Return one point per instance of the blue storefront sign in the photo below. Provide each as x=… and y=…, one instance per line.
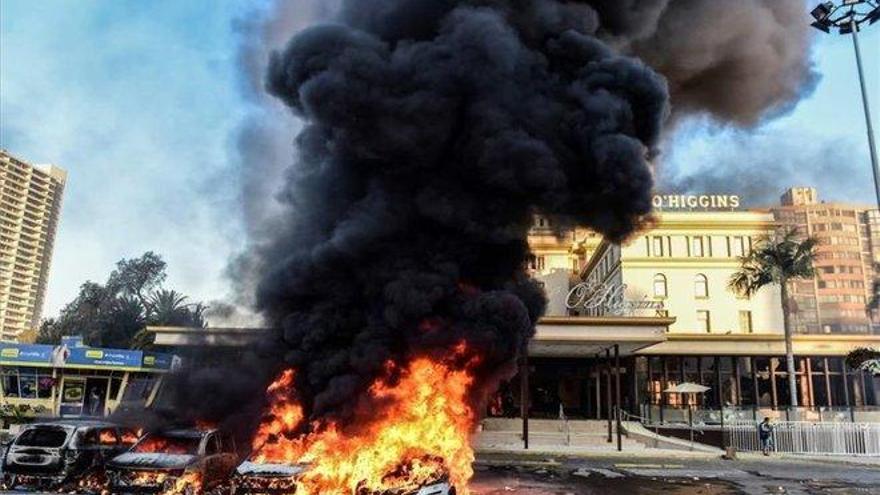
x=25, y=353
x=69, y=354
x=95, y=356
x=157, y=360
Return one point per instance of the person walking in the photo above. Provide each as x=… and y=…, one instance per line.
x=95, y=403
x=765, y=433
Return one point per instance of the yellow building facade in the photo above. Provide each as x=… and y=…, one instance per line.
x=682, y=267
x=30, y=205
x=671, y=282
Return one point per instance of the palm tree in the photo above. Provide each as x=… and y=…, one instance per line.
x=776, y=260
x=167, y=307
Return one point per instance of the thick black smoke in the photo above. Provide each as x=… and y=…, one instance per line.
x=433, y=130
x=739, y=61
x=432, y=133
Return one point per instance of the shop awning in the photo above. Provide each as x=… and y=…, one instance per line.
x=555, y=336
x=588, y=336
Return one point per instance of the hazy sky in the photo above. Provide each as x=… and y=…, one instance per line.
x=141, y=103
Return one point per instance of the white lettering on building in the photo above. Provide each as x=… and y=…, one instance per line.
x=696, y=202
x=607, y=299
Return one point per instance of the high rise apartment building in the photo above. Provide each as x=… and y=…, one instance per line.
x=836, y=300
x=30, y=203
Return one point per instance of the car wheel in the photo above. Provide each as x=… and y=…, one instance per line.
x=451, y=491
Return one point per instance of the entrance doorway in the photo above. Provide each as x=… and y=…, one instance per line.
x=73, y=393
x=96, y=396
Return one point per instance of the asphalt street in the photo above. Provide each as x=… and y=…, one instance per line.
x=506, y=474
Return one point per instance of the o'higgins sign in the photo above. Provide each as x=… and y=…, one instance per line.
x=696, y=201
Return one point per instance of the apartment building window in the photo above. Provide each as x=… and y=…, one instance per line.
x=660, y=285
x=657, y=246
x=697, y=250
x=703, y=322
x=701, y=286
x=738, y=245
x=537, y=263
x=745, y=321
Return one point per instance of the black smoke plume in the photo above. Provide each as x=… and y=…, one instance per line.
x=429, y=132
x=738, y=61
x=433, y=131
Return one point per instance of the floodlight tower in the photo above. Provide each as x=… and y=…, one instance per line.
x=848, y=17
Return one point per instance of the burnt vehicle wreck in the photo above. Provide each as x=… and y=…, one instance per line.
x=185, y=461
x=57, y=454
x=270, y=478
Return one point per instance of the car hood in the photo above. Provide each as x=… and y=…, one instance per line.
x=152, y=461
x=269, y=469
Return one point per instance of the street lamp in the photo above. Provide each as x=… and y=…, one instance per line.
x=848, y=17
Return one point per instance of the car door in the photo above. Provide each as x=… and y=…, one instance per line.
x=213, y=462
x=230, y=454
x=109, y=441
x=86, y=450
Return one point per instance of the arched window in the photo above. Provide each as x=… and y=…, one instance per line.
x=701, y=286
x=659, y=285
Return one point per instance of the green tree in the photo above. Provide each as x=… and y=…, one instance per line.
x=49, y=332
x=864, y=358
x=115, y=314
x=169, y=308
x=138, y=277
x=777, y=260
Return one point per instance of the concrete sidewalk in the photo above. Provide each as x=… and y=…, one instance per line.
x=660, y=457
x=589, y=440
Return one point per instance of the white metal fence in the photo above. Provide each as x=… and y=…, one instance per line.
x=799, y=437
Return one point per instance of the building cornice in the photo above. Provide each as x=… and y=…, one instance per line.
x=758, y=337
x=670, y=262
x=594, y=321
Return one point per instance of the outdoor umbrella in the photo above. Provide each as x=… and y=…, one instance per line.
x=688, y=388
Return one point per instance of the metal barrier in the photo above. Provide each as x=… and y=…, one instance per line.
x=801, y=437
x=712, y=416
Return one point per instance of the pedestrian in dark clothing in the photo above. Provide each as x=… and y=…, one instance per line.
x=765, y=433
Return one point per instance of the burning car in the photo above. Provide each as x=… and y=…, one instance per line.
x=185, y=461
x=279, y=478
x=53, y=454
x=270, y=478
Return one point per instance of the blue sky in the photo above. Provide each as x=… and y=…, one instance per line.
x=141, y=102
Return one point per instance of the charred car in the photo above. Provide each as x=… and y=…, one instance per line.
x=268, y=478
x=52, y=455
x=279, y=478
x=187, y=461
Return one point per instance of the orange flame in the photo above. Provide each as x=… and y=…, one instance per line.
x=107, y=437
x=419, y=433
x=283, y=418
x=190, y=479
x=130, y=437
x=178, y=485
x=152, y=445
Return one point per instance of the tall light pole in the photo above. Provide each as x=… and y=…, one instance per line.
x=848, y=17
